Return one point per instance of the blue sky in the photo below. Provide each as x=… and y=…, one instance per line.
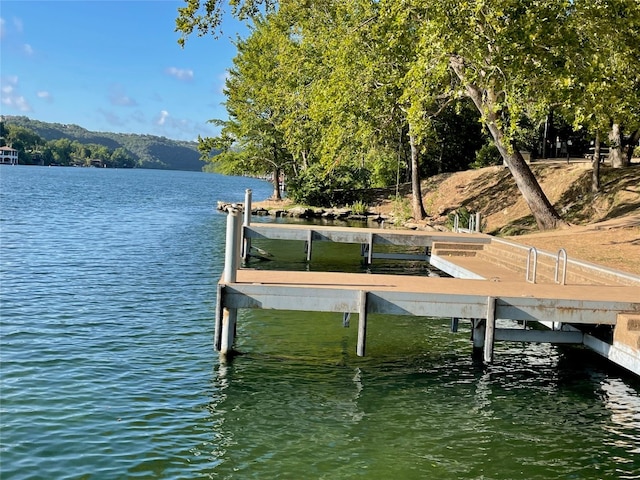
x=112, y=65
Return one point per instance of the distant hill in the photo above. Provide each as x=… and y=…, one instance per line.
x=149, y=151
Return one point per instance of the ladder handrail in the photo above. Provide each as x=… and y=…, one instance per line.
x=574, y=262
x=561, y=253
x=532, y=253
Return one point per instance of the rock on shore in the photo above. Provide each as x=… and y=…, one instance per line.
x=340, y=214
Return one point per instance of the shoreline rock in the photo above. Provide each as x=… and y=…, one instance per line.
x=374, y=220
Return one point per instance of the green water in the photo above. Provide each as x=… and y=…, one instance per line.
x=108, y=282
x=418, y=406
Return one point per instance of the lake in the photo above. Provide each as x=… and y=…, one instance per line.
x=108, y=282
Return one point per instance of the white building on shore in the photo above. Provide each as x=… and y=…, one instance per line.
x=8, y=156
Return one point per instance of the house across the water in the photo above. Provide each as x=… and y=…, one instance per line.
x=8, y=156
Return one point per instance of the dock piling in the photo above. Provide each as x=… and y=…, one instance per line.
x=226, y=325
x=217, y=334
x=231, y=247
x=489, y=330
x=362, y=324
x=246, y=242
x=454, y=324
x=247, y=207
x=229, y=317
x=309, y=244
x=477, y=335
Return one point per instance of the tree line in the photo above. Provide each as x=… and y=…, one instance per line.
x=35, y=150
x=341, y=95
x=44, y=143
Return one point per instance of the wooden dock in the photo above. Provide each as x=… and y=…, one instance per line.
x=490, y=281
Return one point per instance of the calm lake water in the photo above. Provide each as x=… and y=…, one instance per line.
x=108, y=281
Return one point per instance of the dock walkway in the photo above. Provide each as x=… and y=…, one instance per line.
x=487, y=285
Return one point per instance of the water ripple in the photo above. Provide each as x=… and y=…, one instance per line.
x=108, y=371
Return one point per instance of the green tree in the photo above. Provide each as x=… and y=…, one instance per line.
x=600, y=84
x=399, y=65
x=61, y=151
x=121, y=158
x=496, y=53
x=251, y=141
x=26, y=141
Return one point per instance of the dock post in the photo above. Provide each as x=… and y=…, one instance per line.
x=247, y=207
x=490, y=328
x=217, y=334
x=478, y=222
x=454, y=324
x=477, y=336
x=227, y=324
x=309, y=244
x=362, y=324
x=229, y=317
x=231, y=247
x=246, y=242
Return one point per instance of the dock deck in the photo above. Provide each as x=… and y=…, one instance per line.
x=568, y=297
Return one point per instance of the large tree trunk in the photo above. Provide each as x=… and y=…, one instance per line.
x=416, y=192
x=276, y=184
x=595, y=173
x=485, y=101
x=615, y=146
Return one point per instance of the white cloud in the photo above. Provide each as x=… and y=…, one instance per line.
x=168, y=126
x=45, y=96
x=5, y=29
x=10, y=96
x=9, y=80
x=180, y=74
x=28, y=49
x=162, y=118
x=117, y=96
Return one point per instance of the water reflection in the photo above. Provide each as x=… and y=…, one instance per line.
x=624, y=404
x=538, y=413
